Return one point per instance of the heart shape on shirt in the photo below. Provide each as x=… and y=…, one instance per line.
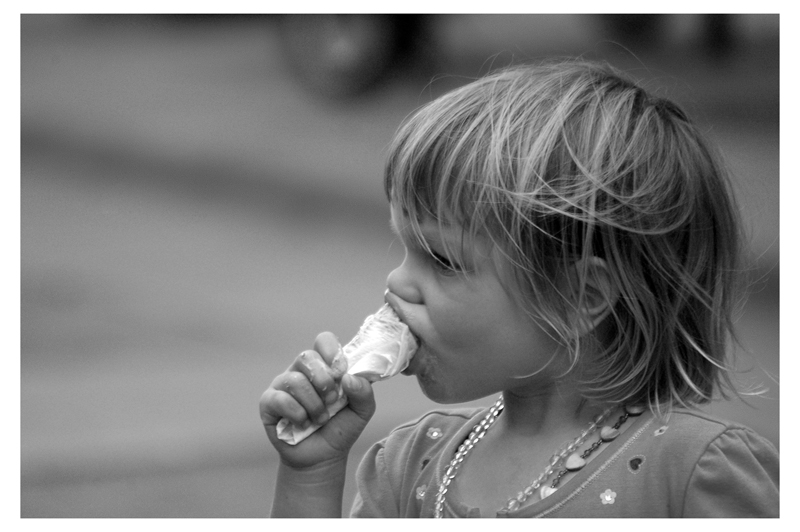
x=635, y=464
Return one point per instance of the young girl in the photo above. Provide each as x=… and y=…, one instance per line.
x=572, y=247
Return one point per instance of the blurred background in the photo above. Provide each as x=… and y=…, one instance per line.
x=201, y=195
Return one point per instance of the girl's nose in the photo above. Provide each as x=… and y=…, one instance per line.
x=402, y=283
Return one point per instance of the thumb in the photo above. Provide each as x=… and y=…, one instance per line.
x=359, y=394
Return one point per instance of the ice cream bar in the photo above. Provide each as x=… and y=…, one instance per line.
x=381, y=349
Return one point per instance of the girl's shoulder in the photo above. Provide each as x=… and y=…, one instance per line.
x=722, y=468
x=684, y=464
x=694, y=427
x=687, y=441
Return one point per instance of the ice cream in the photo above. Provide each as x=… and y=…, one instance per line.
x=381, y=349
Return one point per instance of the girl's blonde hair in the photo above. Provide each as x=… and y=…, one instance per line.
x=566, y=161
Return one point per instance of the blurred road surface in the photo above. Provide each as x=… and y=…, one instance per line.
x=192, y=218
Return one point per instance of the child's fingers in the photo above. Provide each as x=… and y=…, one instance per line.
x=360, y=398
x=311, y=364
x=296, y=385
x=276, y=404
x=329, y=348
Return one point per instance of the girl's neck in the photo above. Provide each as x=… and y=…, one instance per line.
x=549, y=404
x=551, y=413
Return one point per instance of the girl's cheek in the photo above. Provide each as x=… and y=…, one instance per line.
x=452, y=329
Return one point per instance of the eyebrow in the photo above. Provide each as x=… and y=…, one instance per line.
x=432, y=238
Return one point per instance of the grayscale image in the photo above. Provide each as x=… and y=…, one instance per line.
x=452, y=265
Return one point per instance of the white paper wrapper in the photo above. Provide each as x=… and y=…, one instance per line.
x=381, y=349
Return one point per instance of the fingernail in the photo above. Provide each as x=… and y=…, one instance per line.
x=323, y=418
x=331, y=397
x=355, y=384
x=339, y=364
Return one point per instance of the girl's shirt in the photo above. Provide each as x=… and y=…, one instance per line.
x=686, y=465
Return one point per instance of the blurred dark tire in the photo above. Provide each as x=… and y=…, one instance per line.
x=340, y=55
x=637, y=30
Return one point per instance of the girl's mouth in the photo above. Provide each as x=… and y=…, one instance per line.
x=393, y=301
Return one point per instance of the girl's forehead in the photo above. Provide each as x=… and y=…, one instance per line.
x=429, y=227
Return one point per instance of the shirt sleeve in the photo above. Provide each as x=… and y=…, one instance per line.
x=375, y=496
x=737, y=476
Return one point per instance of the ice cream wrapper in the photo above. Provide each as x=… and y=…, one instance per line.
x=381, y=349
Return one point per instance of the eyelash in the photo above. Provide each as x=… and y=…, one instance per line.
x=444, y=265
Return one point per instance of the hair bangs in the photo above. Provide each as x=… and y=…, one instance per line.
x=437, y=167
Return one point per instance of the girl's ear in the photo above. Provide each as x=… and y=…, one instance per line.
x=593, y=293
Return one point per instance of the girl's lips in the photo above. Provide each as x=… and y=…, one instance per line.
x=394, y=302
x=391, y=299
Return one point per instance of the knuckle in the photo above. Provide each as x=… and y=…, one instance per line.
x=307, y=359
x=290, y=382
x=279, y=381
x=308, y=362
x=272, y=406
x=293, y=378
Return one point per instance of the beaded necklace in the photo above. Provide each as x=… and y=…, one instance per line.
x=574, y=462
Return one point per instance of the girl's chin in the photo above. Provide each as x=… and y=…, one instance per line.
x=449, y=394
x=439, y=393
x=435, y=394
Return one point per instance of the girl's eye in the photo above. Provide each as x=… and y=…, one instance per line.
x=444, y=265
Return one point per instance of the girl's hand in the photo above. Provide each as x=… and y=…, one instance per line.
x=301, y=394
